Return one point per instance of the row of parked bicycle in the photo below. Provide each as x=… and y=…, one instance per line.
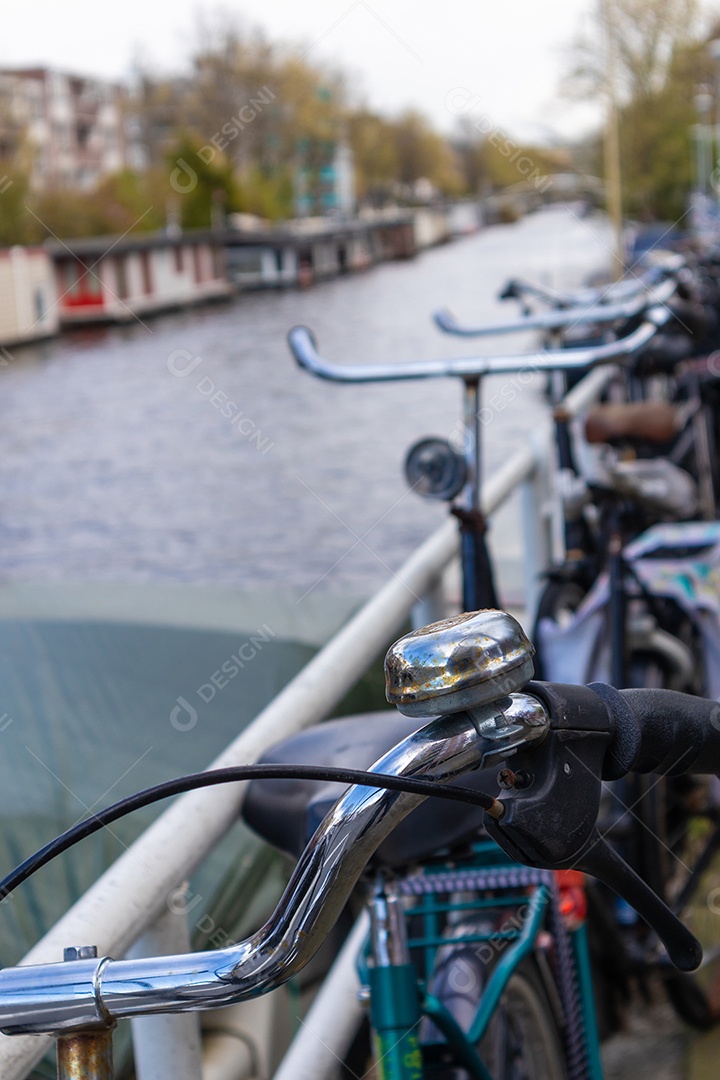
x=635, y=602
x=658, y=430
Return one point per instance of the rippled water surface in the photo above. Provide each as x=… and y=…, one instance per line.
x=113, y=469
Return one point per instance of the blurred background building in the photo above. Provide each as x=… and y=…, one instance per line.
x=70, y=129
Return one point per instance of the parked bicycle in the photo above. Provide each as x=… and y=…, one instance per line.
x=645, y=636
x=437, y=469
x=452, y=991
x=635, y=602
x=641, y=277
x=599, y=307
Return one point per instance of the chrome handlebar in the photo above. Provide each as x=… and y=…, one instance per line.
x=597, y=309
x=304, y=349
x=82, y=994
x=666, y=263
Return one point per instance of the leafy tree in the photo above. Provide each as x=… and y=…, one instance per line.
x=121, y=203
x=375, y=155
x=471, y=152
x=423, y=154
x=231, y=64
x=129, y=202
x=256, y=99
x=208, y=188
x=17, y=225
x=656, y=141
x=157, y=108
x=267, y=193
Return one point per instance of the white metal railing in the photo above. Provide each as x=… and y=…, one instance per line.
x=131, y=897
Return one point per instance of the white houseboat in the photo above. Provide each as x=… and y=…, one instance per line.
x=109, y=279
x=28, y=301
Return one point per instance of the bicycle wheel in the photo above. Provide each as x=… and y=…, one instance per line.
x=523, y=1040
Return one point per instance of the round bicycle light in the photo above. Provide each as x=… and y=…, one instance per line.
x=459, y=663
x=434, y=469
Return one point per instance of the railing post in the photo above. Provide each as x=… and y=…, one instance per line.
x=430, y=607
x=441, y=599
x=85, y=1054
x=318, y=1049
x=166, y=1045
x=537, y=526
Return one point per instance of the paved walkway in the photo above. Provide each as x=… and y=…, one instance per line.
x=654, y=1046
x=659, y=1046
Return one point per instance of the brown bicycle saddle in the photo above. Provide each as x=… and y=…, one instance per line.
x=642, y=421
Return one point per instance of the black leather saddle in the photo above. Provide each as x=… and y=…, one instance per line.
x=287, y=812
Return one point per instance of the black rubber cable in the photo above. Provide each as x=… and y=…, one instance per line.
x=234, y=774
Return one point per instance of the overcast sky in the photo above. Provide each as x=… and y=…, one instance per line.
x=507, y=56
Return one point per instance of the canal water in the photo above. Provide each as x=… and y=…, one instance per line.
x=190, y=449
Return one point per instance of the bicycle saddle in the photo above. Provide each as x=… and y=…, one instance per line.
x=286, y=813
x=634, y=421
x=657, y=484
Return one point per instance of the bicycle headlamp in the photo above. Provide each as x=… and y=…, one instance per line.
x=435, y=470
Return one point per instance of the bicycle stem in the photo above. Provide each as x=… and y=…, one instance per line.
x=82, y=994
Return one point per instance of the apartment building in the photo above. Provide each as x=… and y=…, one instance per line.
x=68, y=129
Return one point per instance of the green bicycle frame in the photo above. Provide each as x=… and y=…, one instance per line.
x=399, y=1002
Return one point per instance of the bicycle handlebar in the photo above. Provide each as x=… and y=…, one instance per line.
x=596, y=310
x=83, y=993
x=304, y=349
x=565, y=738
x=517, y=288
x=602, y=733
x=662, y=731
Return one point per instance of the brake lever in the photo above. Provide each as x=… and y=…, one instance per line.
x=470, y=663
x=550, y=822
x=513, y=291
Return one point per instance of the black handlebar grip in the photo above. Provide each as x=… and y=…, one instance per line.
x=660, y=731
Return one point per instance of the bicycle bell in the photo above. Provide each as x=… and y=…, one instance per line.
x=434, y=469
x=458, y=663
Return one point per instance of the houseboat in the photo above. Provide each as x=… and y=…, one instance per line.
x=111, y=279
x=28, y=300
x=313, y=249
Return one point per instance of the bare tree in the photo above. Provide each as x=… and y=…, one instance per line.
x=642, y=35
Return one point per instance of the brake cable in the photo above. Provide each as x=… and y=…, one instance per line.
x=230, y=775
